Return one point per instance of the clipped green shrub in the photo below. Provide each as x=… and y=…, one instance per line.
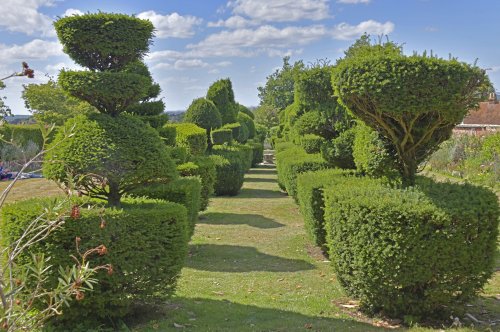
x=108, y=156
x=190, y=136
x=282, y=146
x=168, y=133
x=21, y=134
x=414, y=253
x=146, y=239
x=204, y=114
x=243, y=118
x=178, y=154
x=258, y=152
x=221, y=136
x=222, y=95
x=338, y=152
x=371, y=155
x=243, y=133
x=310, y=187
x=230, y=169
x=313, y=123
x=246, y=110
x=246, y=154
x=235, y=128
x=121, y=39
x=291, y=162
x=311, y=143
x=185, y=191
x=204, y=168
x=261, y=132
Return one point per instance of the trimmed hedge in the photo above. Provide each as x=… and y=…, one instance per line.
x=168, y=133
x=204, y=114
x=311, y=143
x=190, y=136
x=203, y=167
x=414, y=253
x=230, y=167
x=235, y=128
x=178, y=154
x=293, y=161
x=310, y=187
x=258, y=152
x=185, y=191
x=147, y=244
x=221, y=136
x=338, y=152
x=244, y=118
x=282, y=146
x=21, y=134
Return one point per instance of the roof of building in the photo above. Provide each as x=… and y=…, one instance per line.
x=488, y=113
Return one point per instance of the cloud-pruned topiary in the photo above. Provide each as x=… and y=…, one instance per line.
x=204, y=114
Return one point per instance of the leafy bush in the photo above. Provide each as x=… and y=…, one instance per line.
x=204, y=114
x=416, y=252
x=185, y=191
x=146, y=239
x=222, y=95
x=168, y=133
x=282, y=146
x=121, y=39
x=311, y=143
x=235, y=128
x=310, y=187
x=261, y=132
x=221, y=136
x=107, y=157
x=338, y=152
x=371, y=155
x=258, y=152
x=204, y=168
x=313, y=123
x=243, y=118
x=291, y=162
x=243, y=133
x=190, y=136
x=230, y=170
x=21, y=134
x=246, y=110
x=178, y=154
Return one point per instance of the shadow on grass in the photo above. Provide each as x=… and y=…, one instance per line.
x=199, y=314
x=266, y=171
x=260, y=193
x=227, y=258
x=247, y=179
x=254, y=220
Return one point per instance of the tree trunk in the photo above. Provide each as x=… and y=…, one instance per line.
x=114, y=196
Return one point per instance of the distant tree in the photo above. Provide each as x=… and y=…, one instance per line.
x=26, y=71
x=413, y=101
x=50, y=104
x=267, y=116
x=279, y=88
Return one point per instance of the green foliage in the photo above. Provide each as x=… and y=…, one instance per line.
x=168, y=133
x=155, y=121
x=282, y=146
x=371, y=155
x=248, y=122
x=50, y=105
x=146, y=239
x=222, y=95
x=230, y=165
x=416, y=252
x=109, y=92
x=414, y=101
x=107, y=157
x=104, y=41
x=313, y=123
x=204, y=168
x=293, y=161
x=311, y=143
x=279, y=88
x=204, y=114
x=190, y=136
x=338, y=152
x=246, y=110
x=235, y=128
x=21, y=134
x=261, y=132
x=310, y=187
x=258, y=152
x=243, y=133
x=178, y=154
x=185, y=191
x=221, y=136
x=267, y=116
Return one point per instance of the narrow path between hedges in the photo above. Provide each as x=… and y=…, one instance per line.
x=251, y=268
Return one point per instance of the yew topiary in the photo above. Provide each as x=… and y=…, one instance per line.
x=222, y=95
x=204, y=114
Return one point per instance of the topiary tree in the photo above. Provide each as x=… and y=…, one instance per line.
x=243, y=118
x=204, y=114
x=414, y=101
x=222, y=95
x=124, y=152
x=246, y=110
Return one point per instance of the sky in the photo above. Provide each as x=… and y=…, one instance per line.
x=199, y=42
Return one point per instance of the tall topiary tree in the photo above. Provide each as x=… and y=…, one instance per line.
x=414, y=101
x=204, y=114
x=109, y=164
x=222, y=95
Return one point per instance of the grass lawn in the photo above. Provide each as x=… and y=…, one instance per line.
x=252, y=268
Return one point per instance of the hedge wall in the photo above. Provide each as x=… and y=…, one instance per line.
x=190, y=136
x=203, y=167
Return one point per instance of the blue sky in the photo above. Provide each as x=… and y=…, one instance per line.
x=198, y=42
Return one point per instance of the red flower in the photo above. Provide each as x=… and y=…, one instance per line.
x=75, y=212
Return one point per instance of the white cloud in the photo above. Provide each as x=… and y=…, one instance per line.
x=281, y=10
x=173, y=25
x=72, y=12
x=250, y=42
x=23, y=16
x=36, y=49
x=189, y=64
x=234, y=22
x=353, y=1
x=345, y=31
x=223, y=64
x=164, y=55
